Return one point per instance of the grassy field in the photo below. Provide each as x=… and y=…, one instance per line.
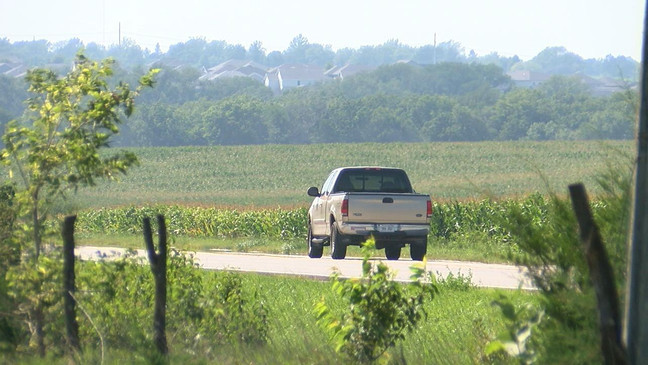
x=459, y=325
x=271, y=176
x=279, y=175
x=460, y=322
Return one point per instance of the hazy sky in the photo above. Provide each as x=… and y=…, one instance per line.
x=590, y=28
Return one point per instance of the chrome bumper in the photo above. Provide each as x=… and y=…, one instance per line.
x=367, y=229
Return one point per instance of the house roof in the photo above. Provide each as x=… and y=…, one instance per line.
x=527, y=75
x=299, y=71
x=347, y=70
x=4, y=67
x=234, y=68
x=408, y=62
x=13, y=69
x=234, y=64
x=228, y=73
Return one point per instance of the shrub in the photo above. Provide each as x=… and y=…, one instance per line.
x=204, y=309
x=379, y=312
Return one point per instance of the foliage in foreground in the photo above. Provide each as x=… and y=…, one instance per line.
x=69, y=120
x=380, y=310
x=115, y=300
x=54, y=149
x=552, y=251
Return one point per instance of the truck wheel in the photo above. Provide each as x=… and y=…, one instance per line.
x=418, y=249
x=393, y=252
x=314, y=250
x=338, y=248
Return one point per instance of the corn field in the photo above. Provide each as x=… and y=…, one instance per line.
x=199, y=222
x=448, y=219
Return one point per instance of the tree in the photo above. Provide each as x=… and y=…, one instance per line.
x=70, y=119
x=65, y=51
x=235, y=121
x=256, y=52
x=616, y=119
x=189, y=52
x=296, y=52
x=556, y=60
x=12, y=93
x=516, y=112
x=128, y=53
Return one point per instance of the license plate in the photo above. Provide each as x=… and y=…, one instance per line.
x=386, y=227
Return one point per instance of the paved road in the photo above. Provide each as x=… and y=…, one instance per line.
x=483, y=275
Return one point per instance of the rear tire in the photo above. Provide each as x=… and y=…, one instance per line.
x=314, y=250
x=338, y=248
x=393, y=252
x=418, y=249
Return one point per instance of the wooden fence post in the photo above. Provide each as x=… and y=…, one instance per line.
x=601, y=276
x=158, y=267
x=69, y=287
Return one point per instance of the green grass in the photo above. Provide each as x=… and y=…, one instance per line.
x=278, y=175
x=461, y=321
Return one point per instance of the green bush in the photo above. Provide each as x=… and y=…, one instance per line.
x=379, y=310
x=204, y=309
x=34, y=289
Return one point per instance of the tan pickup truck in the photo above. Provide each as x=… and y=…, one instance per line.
x=358, y=202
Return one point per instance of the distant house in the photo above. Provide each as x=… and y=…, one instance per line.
x=340, y=72
x=236, y=68
x=13, y=69
x=289, y=76
x=408, y=62
x=598, y=87
x=607, y=86
x=168, y=63
x=4, y=67
x=528, y=79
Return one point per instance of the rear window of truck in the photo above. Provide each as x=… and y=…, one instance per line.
x=373, y=180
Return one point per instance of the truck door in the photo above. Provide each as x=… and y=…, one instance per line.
x=320, y=211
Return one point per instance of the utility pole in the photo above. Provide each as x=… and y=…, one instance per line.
x=636, y=319
x=434, y=57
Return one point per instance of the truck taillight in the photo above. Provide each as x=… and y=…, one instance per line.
x=345, y=207
x=429, y=209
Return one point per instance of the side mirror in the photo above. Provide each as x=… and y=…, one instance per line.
x=312, y=191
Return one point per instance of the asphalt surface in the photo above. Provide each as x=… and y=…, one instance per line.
x=482, y=275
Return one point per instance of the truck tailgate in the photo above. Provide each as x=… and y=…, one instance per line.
x=388, y=208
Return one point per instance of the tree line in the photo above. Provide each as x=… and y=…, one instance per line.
x=454, y=100
x=444, y=102
x=200, y=53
